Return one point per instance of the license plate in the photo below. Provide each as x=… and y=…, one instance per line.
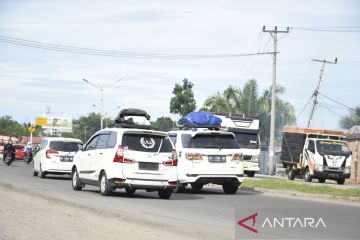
x=217, y=158
x=148, y=166
x=66, y=158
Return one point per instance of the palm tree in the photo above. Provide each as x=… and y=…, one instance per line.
x=353, y=119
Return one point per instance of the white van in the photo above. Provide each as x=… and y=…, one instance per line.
x=131, y=157
x=208, y=156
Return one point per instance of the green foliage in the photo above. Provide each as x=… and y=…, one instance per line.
x=164, y=124
x=11, y=127
x=247, y=101
x=183, y=101
x=353, y=119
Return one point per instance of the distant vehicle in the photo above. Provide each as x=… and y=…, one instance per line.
x=246, y=130
x=130, y=155
x=315, y=153
x=19, y=151
x=207, y=155
x=55, y=156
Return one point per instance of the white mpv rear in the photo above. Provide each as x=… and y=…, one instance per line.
x=130, y=158
x=208, y=156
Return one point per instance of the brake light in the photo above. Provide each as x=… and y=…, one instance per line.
x=193, y=156
x=174, y=159
x=48, y=152
x=237, y=157
x=119, y=156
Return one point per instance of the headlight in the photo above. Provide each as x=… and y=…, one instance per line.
x=255, y=158
x=319, y=167
x=347, y=169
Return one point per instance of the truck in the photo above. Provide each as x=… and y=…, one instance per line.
x=246, y=130
x=315, y=153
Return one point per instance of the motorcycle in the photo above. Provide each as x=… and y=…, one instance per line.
x=28, y=157
x=10, y=157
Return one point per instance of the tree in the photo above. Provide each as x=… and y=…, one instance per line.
x=164, y=124
x=11, y=127
x=183, y=101
x=353, y=119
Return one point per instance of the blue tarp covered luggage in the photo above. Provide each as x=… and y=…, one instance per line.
x=201, y=118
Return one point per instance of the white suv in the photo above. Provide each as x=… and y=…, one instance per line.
x=208, y=156
x=131, y=158
x=55, y=156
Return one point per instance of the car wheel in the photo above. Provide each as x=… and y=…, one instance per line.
x=180, y=187
x=75, y=180
x=35, y=173
x=291, y=173
x=42, y=174
x=165, y=193
x=130, y=190
x=322, y=180
x=307, y=176
x=197, y=186
x=250, y=174
x=105, y=188
x=340, y=181
x=230, y=187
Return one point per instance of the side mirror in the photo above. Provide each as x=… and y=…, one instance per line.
x=81, y=147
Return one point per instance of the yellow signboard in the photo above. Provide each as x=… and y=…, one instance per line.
x=41, y=121
x=31, y=129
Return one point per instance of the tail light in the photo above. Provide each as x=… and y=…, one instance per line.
x=237, y=157
x=193, y=156
x=119, y=156
x=49, y=152
x=174, y=159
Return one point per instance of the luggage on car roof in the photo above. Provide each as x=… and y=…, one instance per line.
x=133, y=116
x=201, y=118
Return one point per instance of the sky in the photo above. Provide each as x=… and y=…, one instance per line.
x=35, y=80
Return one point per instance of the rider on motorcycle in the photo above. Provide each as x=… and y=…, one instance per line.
x=9, y=149
x=28, y=151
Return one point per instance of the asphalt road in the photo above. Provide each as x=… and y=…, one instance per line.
x=206, y=215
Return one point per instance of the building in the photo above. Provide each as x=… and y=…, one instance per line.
x=353, y=139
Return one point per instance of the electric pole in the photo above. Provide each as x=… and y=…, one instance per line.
x=273, y=34
x=318, y=86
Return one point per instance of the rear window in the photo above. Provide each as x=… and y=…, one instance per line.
x=65, y=146
x=146, y=143
x=209, y=141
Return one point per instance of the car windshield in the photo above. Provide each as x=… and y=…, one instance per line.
x=146, y=142
x=65, y=146
x=328, y=147
x=247, y=140
x=209, y=141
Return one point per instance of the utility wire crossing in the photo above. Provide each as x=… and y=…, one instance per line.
x=122, y=54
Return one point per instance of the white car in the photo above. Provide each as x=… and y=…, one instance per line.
x=55, y=156
x=208, y=156
x=131, y=158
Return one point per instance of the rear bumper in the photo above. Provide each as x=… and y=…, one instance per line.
x=151, y=185
x=213, y=178
x=57, y=167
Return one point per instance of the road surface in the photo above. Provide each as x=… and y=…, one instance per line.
x=206, y=215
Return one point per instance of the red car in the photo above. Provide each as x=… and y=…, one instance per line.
x=19, y=151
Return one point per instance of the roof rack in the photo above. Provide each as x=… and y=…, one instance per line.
x=235, y=116
x=190, y=126
x=137, y=126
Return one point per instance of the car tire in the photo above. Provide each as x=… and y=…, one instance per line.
x=250, y=174
x=230, y=187
x=35, y=173
x=340, y=181
x=105, y=188
x=42, y=174
x=322, y=180
x=307, y=176
x=180, y=187
x=130, y=190
x=197, y=186
x=291, y=173
x=75, y=180
x=165, y=193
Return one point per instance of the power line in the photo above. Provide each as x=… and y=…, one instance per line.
x=337, y=102
x=329, y=29
x=109, y=53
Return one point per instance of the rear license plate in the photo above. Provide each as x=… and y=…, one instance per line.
x=148, y=166
x=66, y=158
x=217, y=158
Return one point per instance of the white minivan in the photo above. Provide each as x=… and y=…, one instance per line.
x=130, y=157
x=208, y=156
x=55, y=156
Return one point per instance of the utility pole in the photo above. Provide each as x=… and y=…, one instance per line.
x=318, y=86
x=273, y=34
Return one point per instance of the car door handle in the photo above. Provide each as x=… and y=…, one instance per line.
x=101, y=153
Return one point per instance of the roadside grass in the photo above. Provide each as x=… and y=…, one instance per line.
x=284, y=184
